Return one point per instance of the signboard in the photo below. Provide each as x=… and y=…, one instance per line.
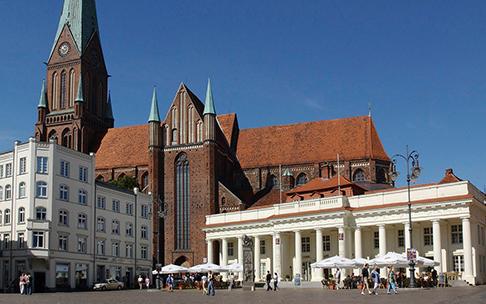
x=412, y=254
x=341, y=236
x=277, y=241
x=248, y=264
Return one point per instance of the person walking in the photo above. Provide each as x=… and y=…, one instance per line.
x=170, y=283
x=22, y=281
x=392, y=282
x=275, y=282
x=147, y=282
x=337, y=276
x=204, y=280
x=211, y=291
x=268, y=278
x=28, y=284
x=140, y=281
x=375, y=276
x=365, y=275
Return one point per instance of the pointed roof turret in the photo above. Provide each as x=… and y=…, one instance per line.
x=109, y=109
x=43, y=96
x=154, y=110
x=80, y=17
x=80, y=95
x=209, y=102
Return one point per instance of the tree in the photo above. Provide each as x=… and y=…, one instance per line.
x=125, y=182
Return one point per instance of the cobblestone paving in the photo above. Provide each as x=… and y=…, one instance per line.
x=469, y=295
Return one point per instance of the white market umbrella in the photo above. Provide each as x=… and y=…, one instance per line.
x=171, y=268
x=334, y=262
x=205, y=268
x=235, y=267
x=425, y=262
x=361, y=261
x=390, y=259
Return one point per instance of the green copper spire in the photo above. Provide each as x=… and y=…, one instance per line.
x=209, y=103
x=80, y=16
x=43, y=96
x=80, y=96
x=154, y=110
x=109, y=109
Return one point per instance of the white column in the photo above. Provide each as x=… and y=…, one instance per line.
x=224, y=255
x=437, y=244
x=240, y=256
x=298, y=253
x=257, y=258
x=318, y=272
x=382, y=239
x=467, y=243
x=341, y=242
x=210, y=251
x=277, y=254
x=406, y=233
x=358, y=249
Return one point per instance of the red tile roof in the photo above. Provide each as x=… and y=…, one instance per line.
x=269, y=199
x=449, y=177
x=310, y=142
x=227, y=123
x=318, y=184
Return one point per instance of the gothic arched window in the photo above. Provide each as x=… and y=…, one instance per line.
x=273, y=182
x=359, y=176
x=54, y=91
x=301, y=179
x=66, y=138
x=182, y=202
x=72, y=91
x=63, y=90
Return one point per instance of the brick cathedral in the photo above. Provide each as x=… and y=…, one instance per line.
x=193, y=160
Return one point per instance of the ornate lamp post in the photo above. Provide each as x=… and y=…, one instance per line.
x=413, y=172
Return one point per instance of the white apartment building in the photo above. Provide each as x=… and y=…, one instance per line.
x=448, y=221
x=63, y=227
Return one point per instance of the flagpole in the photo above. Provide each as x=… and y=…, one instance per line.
x=339, y=175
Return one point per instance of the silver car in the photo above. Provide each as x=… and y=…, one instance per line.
x=110, y=284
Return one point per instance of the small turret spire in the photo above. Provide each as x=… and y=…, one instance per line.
x=80, y=95
x=154, y=110
x=109, y=109
x=43, y=96
x=209, y=102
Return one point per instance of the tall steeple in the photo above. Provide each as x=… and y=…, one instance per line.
x=43, y=96
x=209, y=102
x=154, y=109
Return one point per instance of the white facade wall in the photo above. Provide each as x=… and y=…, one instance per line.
x=75, y=259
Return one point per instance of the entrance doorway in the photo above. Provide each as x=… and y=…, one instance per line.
x=39, y=281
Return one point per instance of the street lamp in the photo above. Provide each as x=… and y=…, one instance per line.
x=413, y=172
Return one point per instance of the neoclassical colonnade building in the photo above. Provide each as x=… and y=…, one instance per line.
x=448, y=221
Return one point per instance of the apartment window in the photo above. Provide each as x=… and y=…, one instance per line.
x=8, y=192
x=8, y=170
x=100, y=224
x=115, y=249
x=41, y=189
x=129, y=229
x=64, y=168
x=143, y=252
x=63, y=218
x=21, y=216
x=42, y=165
x=428, y=236
x=63, y=242
x=22, y=193
x=1, y=171
x=144, y=232
x=1, y=218
x=306, y=244
x=21, y=240
x=82, y=221
x=7, y=217
x=82, y=244
x=326, y=242
x=115, y=206
x=101, y=202
x=40, y=213
x=83, y=174
x=38, y=239
x=6, y=241
x=22, y=165
x=456, y=234
x=144, y=211
x=376, y=239
x=262, y=247
x=1, y=193
x=82, y=197
x=401, y=238
x=100, y=247
x=64, y=192
x=115, y=227
x=231, y=248
x=129, y=251
x=129, y=209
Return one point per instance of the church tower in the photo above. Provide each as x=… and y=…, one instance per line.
x=74, y=107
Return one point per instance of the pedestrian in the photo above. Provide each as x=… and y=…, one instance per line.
x=337, y=277
x=170, y=283
x=204, y=280
x=147, y=282
x=392, y=283
x=140, y=281
x=434, y=277
x=268, y=278
x=275, y=282
x=28, y=284
x=211, y=291
x=375, y=276
x=365, y=274
x=231, y=280
x=22, y=281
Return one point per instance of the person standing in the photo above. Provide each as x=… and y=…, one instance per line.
x=22, y=284
x=28, y=284
x=337, y=276
x=375, y=276
x=268, y=278
x=211, y=291
x=140, y=281
x=275, y=282
x=170, y=283
x=434, y=277
x=365, y=275
x=147, y=282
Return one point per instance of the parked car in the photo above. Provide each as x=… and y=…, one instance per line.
x=110, y=284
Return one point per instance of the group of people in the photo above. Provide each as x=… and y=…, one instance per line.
x=143, y=282
x=391, y=280
x=269, y=278
x=25, y=284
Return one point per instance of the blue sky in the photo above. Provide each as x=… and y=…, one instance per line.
x=422, y=65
